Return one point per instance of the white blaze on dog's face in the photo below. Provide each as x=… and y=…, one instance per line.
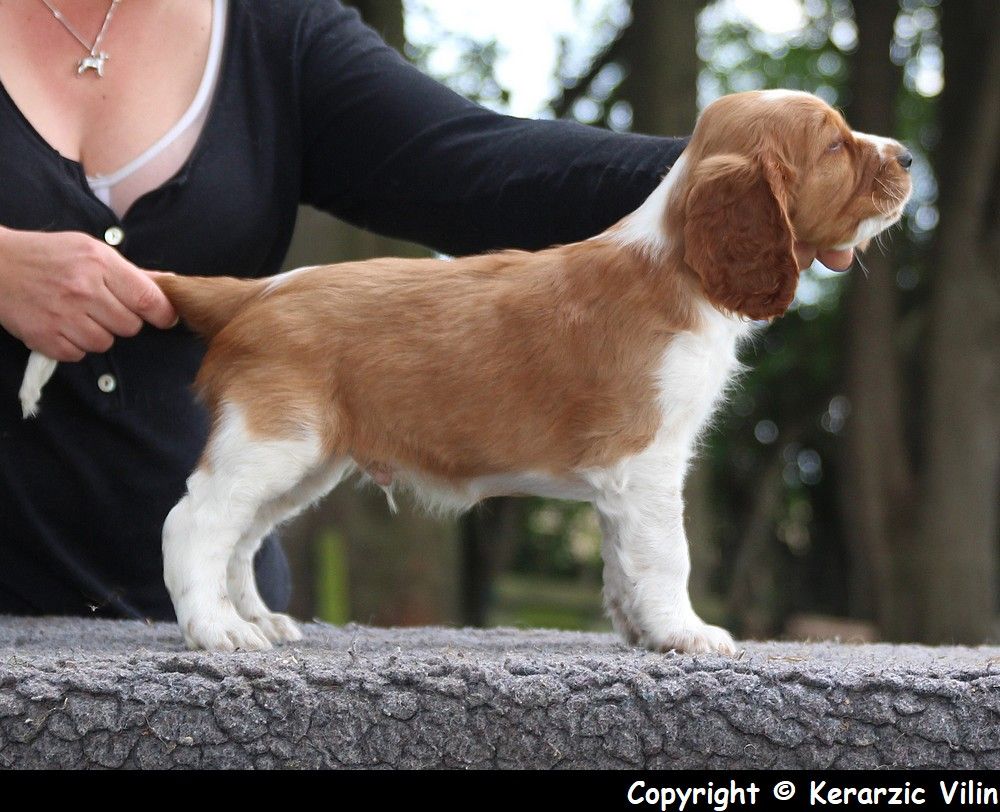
x=767, y=169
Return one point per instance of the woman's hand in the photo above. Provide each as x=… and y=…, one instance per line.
x=65, y=294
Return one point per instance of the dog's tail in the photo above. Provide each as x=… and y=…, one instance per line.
x=207, y=304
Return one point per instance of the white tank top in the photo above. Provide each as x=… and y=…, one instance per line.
x=156, y=165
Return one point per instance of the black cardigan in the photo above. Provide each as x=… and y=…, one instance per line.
x=311, y=107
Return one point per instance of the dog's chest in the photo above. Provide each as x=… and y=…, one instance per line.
x=694, y=371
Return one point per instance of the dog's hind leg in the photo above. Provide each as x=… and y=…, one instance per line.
x=242, y=584
x=239, y=475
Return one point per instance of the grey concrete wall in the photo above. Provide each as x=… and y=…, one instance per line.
x=86, y=693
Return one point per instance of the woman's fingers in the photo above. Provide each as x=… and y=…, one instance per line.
x=87, y=335
x=115, y=317
x=59, y=348
x=139, y=293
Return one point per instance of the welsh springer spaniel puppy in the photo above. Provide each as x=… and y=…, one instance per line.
x=580, y=372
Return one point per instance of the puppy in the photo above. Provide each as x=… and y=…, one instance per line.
x=582, y=372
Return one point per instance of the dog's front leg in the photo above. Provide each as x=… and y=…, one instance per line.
x=646, y=562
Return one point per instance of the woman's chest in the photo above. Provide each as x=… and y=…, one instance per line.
x=156, y=57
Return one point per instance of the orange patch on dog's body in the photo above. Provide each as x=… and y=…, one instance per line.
x=496, y=364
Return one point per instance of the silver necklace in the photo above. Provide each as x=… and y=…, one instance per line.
x=95, y=58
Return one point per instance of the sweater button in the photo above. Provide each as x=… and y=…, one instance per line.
x=114, y=236
x=107, y=383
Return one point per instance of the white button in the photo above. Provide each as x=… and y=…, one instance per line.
x=114, y=236
x=107, y=383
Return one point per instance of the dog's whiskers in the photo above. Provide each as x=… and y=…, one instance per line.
x=894, y=195
x=862, y=265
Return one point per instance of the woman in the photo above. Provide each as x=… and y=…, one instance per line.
x=182, y=135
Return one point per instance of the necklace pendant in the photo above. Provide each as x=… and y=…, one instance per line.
x=93, y=62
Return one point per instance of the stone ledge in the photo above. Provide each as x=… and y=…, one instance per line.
x=87, y=693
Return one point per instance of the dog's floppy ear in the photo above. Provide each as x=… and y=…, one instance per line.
x=737, y=235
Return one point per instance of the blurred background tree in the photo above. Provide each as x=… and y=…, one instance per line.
x=851, y=484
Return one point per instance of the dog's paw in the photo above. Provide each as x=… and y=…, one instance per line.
x=225, y=631
x=693, y=636
x=278, y=628
x=621, y=622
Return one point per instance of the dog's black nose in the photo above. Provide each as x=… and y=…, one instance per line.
x=905, y=159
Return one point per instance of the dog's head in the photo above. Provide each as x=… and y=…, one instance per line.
x=765, y=169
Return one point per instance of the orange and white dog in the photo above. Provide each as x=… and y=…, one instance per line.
x=581, y=372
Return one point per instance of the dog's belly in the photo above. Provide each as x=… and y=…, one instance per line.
x=447, y=497
x=533, y=484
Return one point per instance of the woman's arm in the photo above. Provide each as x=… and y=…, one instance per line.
x=389, y=149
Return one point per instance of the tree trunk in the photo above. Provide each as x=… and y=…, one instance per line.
x=876, y=488
x=659, y=53
x=489, y=535
x=959, y=498
x=386, y=17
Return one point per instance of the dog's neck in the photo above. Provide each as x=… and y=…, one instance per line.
x=640, y=260
x=645, y=229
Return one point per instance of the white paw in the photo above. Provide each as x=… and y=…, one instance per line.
x=621, y=622
x=278, y=628
x=223, y=631
x=692, y=636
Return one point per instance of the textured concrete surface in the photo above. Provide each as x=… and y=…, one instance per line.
x=86, y=693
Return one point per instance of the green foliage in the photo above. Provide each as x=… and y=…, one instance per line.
x=538, y=601
x=559, y=539
x=332, y=590
x=474, y=75
x=738, y=56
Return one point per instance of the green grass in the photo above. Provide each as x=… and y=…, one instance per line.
x=533, y=601
x=332, y=591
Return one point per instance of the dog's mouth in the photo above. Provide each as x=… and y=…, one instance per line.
x=867, y=230
x=885, y=208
